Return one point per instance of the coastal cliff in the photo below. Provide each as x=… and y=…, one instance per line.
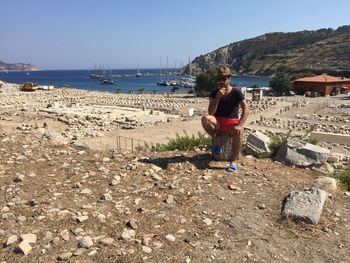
x=323, y=50
x=17, y=67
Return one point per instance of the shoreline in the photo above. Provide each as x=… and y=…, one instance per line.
x=167, y=94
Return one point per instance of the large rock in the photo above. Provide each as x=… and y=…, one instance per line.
x=257, y=143
x=304, y=205
x=314, y=152
x=293, y=153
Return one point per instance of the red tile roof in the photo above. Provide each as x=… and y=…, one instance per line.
x=323, y=78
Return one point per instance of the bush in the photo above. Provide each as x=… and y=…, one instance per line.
x=343, y=178
x=277, y=140
x=181, y=142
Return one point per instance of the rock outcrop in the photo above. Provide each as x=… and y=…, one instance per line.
x=17, y=66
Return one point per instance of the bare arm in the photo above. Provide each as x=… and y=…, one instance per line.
x=245, y=112
x=213, y=105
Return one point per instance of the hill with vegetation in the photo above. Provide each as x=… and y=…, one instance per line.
x=323, y=50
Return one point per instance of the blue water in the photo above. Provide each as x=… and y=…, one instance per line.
x=126, y=80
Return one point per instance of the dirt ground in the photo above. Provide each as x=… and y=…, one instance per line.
x=105, y=205
x=182, y=194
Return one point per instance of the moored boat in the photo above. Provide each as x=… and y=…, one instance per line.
x=107, y=81
x=163, y=83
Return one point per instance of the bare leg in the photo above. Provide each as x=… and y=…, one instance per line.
x=210, y=125
x=237, y=139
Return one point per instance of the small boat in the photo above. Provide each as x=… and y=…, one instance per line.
x=96, y=76
x=107, y=81
x=163, y=83
x=27, y=73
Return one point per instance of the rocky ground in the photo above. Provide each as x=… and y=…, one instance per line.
x=64, y=204
x=60, y=203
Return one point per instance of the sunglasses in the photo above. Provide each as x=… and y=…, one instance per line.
x=222, y=78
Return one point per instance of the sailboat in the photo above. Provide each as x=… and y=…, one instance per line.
x=138, y=74
x=96, y=75
x=162, y=82
x=27, y=73
x=107, y=80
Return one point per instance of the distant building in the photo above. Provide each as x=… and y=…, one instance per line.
x=324, y=85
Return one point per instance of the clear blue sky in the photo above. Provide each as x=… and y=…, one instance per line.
x=76, y=34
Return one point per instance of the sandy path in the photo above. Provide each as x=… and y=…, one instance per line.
x=160, y=133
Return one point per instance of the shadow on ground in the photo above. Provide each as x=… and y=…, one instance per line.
x=200, y=161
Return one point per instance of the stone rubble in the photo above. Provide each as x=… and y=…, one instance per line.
x=75, y=204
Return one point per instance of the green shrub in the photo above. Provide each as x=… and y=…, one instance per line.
x=277, y=140
x=343, y=178
x=181, y=142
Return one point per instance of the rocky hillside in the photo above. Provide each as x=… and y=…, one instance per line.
x=16, y=66
x=324, y=50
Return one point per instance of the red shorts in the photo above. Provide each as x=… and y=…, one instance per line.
x=226, y=123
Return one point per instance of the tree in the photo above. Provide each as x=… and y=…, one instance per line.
x=281, y=84
x=141, y=90
x=205, y=83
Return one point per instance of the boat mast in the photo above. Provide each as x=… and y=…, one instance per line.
x=167, y=68
x=160, y=69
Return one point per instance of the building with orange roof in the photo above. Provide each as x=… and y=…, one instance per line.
x=323, y=84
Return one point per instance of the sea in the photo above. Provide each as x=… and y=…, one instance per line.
x=125, y=80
